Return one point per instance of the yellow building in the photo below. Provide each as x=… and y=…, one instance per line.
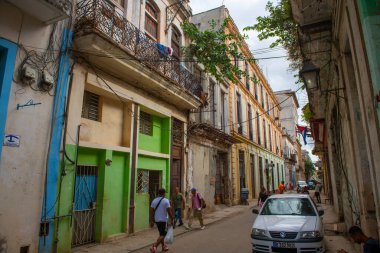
x=253, y=120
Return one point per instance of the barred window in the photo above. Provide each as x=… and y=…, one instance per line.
x=146, y=124
x=142, y=181
x=90, y=108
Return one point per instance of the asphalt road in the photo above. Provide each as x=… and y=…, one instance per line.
x=231, y=235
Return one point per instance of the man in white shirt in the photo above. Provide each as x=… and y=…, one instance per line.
x=160, y=209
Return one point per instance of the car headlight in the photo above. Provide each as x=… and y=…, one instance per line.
x=310, y=234
x=258, y=233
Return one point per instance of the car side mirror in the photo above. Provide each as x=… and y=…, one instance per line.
x=321, y=212
x=255, y=211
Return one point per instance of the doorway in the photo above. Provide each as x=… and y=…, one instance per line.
x=252, y=163
x=84, y=214
x=261, y=172
x=221, y=179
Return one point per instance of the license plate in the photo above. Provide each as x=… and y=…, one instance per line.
x=288, y=245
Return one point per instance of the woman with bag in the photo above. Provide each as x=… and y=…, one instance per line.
x=160, y=209
x=197, y=203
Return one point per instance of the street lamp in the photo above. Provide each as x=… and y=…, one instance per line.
x=310, y=75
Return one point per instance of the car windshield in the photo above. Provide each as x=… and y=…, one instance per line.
x=288, y=206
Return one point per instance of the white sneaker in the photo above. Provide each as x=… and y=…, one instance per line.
x=203, y=227
x=187, y=227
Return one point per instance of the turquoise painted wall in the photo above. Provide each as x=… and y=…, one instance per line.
x=159, y=142
x=142, y=201
x=112, y=194
x=370, y=18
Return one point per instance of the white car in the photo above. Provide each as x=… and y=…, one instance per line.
x=288, y=223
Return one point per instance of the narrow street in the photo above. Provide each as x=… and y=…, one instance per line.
x=229, y=235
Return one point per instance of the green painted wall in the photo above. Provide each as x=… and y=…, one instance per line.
x=112, y=194
x=159, y=142
x=142, y=201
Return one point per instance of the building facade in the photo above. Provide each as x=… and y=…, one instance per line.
x=290, y=143
x=127, y=118
x=343, y=93
x=34, y=64
x=253, y=120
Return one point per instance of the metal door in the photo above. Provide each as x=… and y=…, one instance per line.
x=84, y=205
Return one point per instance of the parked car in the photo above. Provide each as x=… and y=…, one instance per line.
x=300, y=185
x=288, y=223
x=311, y=185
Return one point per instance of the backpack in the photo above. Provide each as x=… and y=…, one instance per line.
x=203, y=203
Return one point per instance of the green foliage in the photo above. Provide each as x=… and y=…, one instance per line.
x=279, y=24
x=306, y=113
x=215, y=50
x=309, y=168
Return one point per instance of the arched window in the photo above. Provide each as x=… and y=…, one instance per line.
x=176, y=43
x=151, y=19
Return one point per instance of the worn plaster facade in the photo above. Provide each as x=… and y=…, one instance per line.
x=127, y=119
x=30, y=116
x=345, y=122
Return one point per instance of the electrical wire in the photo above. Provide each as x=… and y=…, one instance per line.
x=185, y=133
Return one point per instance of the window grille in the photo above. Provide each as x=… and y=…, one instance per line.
x=146, y=125
x=142, y=181
x=90, y=108
x=177, y=132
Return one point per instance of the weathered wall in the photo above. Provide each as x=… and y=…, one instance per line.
x=21, y=181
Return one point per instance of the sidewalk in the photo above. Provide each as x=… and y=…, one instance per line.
x=334, y=239
x=145, y=238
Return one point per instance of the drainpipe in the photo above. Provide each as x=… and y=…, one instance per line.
x=53, y=157
x=131, y=223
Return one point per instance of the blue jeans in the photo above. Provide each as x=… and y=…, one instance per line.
x=177, y=216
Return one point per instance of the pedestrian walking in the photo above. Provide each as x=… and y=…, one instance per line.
x=263, y=195
x=318, y=192
x=178, y=202
x=281, y=187
x=370, y=245
x=160, y=210
x=197, y=204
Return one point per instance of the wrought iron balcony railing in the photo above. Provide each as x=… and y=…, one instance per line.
x=101, y=17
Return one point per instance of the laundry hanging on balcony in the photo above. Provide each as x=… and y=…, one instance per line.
x=164, y=51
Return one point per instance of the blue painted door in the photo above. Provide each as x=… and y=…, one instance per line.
x=85, y=205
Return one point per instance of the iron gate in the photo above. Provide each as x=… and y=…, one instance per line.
x=84, y=205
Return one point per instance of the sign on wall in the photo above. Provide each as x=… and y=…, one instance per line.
x=11, y=140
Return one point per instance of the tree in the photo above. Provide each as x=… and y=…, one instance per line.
x=309, y=169
x=306, y=113
x=279, y=24
x=215, y=49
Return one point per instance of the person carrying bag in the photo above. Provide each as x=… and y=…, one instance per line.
x=160, y=209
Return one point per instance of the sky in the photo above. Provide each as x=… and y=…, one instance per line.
x=244, y=13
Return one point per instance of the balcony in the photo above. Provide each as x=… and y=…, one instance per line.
x=113, y=44
x=47, y=11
